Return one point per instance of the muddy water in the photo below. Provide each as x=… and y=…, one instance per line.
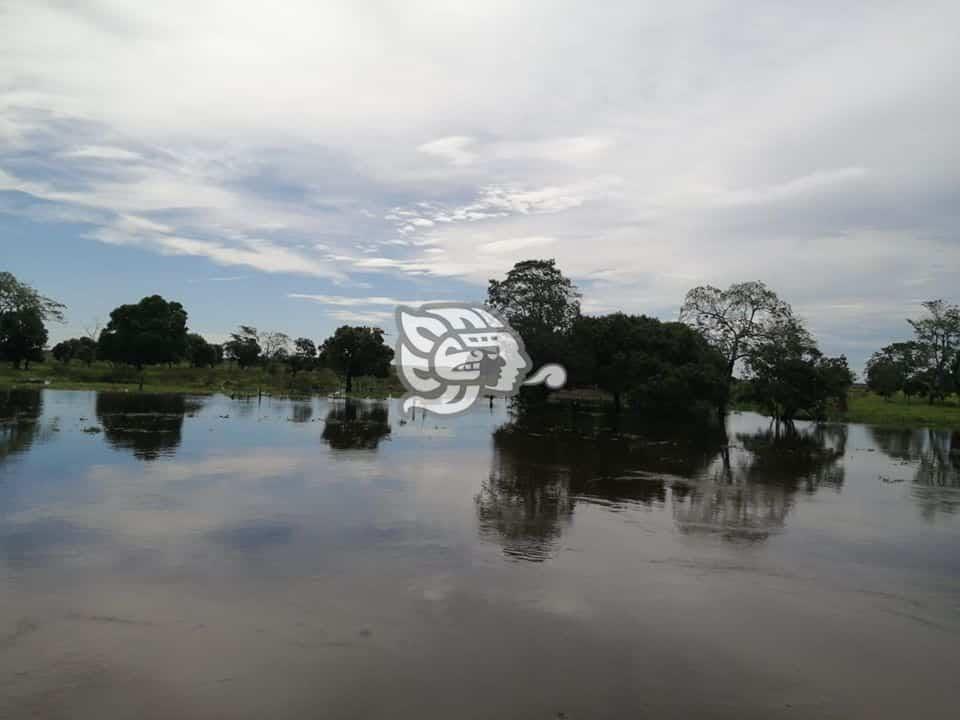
x=171, y=557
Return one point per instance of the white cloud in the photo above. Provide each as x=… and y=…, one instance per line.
x=453, y=149
x=514, y=244
x=101, y=152
x=344, y=301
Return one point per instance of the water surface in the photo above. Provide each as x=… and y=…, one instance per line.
x=187, y=557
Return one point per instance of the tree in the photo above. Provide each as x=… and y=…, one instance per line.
x=275, y=345
x=736, y=321
x=355, y=351
x=656, y=366
x=891, y=368
x=200, y=353
x=539, y=303
x=304, y=356
x=149, y=332
x=22, y=336
x=884, y=377
x=83, y=349
x=23, y=312
x=939, y=336
x=788, y=375
x=243, y=347
x=16, y=296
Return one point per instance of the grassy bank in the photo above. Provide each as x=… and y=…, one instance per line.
x=867, y=407
x=222, y=379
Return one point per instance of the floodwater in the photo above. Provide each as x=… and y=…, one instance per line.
x=185, y=557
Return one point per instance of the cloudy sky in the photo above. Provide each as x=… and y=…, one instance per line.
x=298, y=165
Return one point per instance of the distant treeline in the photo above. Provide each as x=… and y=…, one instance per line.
x=741, y=344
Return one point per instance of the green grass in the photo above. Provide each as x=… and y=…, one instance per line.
x=181, y=379
x=867, y=407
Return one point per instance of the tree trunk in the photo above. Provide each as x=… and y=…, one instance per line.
x=617, y=402
x=349, y=381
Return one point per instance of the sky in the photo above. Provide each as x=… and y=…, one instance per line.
x=300, y=165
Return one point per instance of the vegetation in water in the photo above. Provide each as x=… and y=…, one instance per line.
x=742, y=347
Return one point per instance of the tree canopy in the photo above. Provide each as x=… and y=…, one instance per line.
x=22, y=336
x=16, y=296
x=243, y=347
x=540, y=303
x=151, y=331
x=353, y=351
x=654, y=365
x=789, y=376
x=23, y=314
x=938, y=334
x=83, y=349
x=200, y=353
x=535, y=295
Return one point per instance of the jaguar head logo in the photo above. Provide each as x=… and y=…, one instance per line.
x=451, y=354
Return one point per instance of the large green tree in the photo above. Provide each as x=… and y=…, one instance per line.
x=201, y=353
x=653, y=365
x=788, y=375
x=353, y=351
x=938, y=333
x=150, y=332
x=22, y=336
x=23, y=314
x=891, y=369
x=540, y=303
x=243, y=347
x=83, y=349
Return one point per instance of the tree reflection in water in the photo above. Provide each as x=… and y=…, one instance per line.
x=740, y=491
x=302, y=411
x=148, y=425
x=934, y=457
x=751, y=487
x=356, y=425
x=541, y=468
x=20, y=412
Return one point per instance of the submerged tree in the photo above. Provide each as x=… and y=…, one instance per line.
x=540, y=303
x=656, y=366
x=788, y=375
x=737, y=321
x=353, y=351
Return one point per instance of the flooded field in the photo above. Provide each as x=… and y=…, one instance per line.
x=201, y=557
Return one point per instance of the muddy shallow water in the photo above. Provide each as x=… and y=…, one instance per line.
x=181, y=557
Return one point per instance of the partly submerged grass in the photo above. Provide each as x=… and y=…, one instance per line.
x=863, y=406
x=180, y=379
